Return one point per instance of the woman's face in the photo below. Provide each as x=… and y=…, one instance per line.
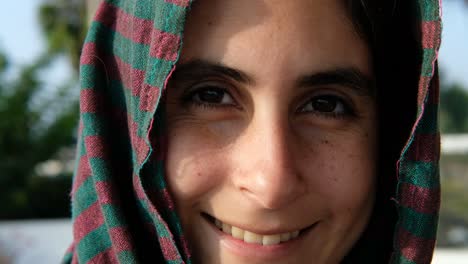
x=272, y=132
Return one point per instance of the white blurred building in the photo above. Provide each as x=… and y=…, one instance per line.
x=454, y=144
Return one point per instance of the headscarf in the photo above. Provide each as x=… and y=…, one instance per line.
x=122, y=211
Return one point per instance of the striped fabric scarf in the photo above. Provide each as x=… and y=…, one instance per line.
x=121, y=208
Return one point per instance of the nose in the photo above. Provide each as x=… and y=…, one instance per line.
x=267, y=172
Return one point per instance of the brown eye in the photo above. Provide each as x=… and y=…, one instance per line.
x=326, y=104
x=211, y=96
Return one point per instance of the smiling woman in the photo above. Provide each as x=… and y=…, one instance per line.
x=272, y=135
x=286, y=125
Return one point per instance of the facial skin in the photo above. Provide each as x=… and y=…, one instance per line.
x=272, y=128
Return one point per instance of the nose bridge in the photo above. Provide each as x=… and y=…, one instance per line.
x=268, y=174
x=271, y=131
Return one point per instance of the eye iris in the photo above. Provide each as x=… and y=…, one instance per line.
x=324, y=104
x=211, y=96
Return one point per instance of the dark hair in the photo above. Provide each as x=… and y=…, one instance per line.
x=391, y=29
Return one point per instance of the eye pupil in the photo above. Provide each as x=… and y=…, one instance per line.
x=324, y=104
x=211, y=96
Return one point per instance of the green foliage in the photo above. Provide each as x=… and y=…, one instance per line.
x=27, y=137
x=35, y=124
x=64, y=25
x=454, y=109
x=453, y=210
x=455, y=200
x=3, y=63
x=53, y=190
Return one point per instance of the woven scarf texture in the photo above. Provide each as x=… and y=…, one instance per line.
x=121, y=208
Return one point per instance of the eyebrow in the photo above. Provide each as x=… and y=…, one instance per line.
x=198, y=68
x=349, y=77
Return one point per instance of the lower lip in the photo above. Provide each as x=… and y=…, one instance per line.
x=257, y=251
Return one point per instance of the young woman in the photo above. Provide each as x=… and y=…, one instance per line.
x=258, y=132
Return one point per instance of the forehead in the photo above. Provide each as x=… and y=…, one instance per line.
x=308, y=34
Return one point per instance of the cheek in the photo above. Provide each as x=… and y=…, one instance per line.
x=193, y=167
x=346, y=175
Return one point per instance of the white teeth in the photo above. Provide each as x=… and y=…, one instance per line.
x=285, y=237
x=271, y=240
x=250, y=237
x=237, y=233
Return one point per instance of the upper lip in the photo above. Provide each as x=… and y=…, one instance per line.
x=254, y=229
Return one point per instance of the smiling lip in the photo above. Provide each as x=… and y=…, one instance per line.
x=257, y=249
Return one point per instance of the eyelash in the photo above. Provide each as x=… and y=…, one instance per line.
x=348, y=110
x=188, y=99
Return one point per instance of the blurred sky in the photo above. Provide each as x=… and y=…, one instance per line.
x=21, y=39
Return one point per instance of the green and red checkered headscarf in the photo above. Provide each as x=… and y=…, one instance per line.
x=121, y=208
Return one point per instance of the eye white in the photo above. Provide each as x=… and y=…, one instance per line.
x=227, y=99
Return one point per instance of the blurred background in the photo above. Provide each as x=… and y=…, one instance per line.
x=40, y=43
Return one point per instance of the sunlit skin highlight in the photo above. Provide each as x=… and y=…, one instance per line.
x=272, y=127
